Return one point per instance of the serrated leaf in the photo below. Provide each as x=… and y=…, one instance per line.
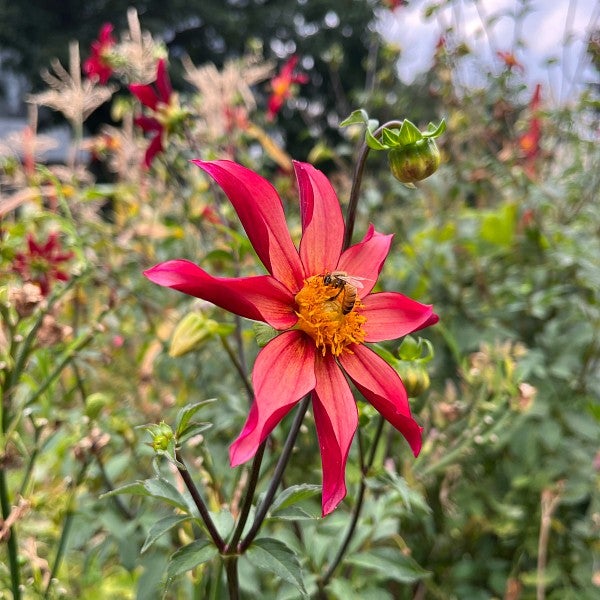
x=264, y=333
x=373, y=142
x=391, y=563
x=189, y=557
x=184, y=416
x=296, y=513
x=293, y=495
x=390, y=137
x=161, y=527
x=268, y=554
x=357, y=117
x=409, y=133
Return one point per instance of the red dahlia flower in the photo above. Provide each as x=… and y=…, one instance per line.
x=97, y=65
x=281, y=86
x=322, y=332
x=510, y=61
x=158, y=99
x=529, y=142
x=40, y=264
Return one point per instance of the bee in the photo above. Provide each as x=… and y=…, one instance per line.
x=346, y=286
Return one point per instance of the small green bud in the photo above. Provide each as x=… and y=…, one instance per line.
x=162, y=436
x=94, y=403
x=416, y=161
x=414, y=376
x=191, y=332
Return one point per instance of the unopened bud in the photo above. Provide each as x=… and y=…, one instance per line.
x=191, y=332
x=414, y=162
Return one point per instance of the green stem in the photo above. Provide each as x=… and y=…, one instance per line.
x=13, y=558
x=357, y=509
x=232, y=576
x=66, y=528
x=200, y=505
x=357, y=182
x=261, y=513
x=239, y=367
x=247, y=504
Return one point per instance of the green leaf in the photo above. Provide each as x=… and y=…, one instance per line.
x=184, y=416
x=189, y=557
x=357, y=117
x=161, y=527
x=264, y=333
x=268, y=554
x=191, y=430
x=293, y=495
x=409, y=133
x=373, y=142
x=434, y=131
x=391, y=563
x=155, y=487
x=390, y=137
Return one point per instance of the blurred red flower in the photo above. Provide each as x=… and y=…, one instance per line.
x=157, y=98
x=281, y=86
x=529, y=142
x=40, y=264
x=510, y=61
x=97, y=64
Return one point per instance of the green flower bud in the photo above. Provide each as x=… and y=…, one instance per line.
x=414, y=376
x=414, y=162
x=94, y=403
x=191, y=332
x=162, y=436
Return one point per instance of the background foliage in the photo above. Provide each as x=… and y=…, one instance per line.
x=502, y=502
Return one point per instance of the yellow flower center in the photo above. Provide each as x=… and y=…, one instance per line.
x=329, y=314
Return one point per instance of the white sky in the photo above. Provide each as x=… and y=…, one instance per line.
x=553, y=29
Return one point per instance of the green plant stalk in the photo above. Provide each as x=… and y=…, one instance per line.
x=357, y=182
x=239, y=367
x=249, y=495
x=261, y=513
x=66, y=528
x=232, y=576
x=365, y=466
x=200, y=504
x=13, y=558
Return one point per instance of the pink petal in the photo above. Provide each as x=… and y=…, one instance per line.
x=259, y=298
x=336, y=418
x=391, y=315
x=261, y=212
x=145, y=94
x=322, y=221
x=383, y=388
x=365, y=259
x=283, y=373
x=163, y=83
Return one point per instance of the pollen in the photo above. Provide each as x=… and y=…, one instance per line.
x=321, y=316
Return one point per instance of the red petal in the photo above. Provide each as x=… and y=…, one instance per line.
x=283, y=373
x=259, y=298
x=145, y=94
x=366, y=259
x=148, y=123
x=322, y=221
x=336, y=418
x=383, y=388
x=163, y=83
x=391, y=315
x=261, y=212
x=154, y=148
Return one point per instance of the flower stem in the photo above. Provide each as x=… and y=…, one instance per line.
x=232, y=576
x=261, y=513
x=357, y=182
x=199, y=502
x=239, y=367
x=357, y=508
x=13, y=559
x=247, y=504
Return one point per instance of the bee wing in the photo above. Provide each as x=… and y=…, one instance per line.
x=355, y=281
